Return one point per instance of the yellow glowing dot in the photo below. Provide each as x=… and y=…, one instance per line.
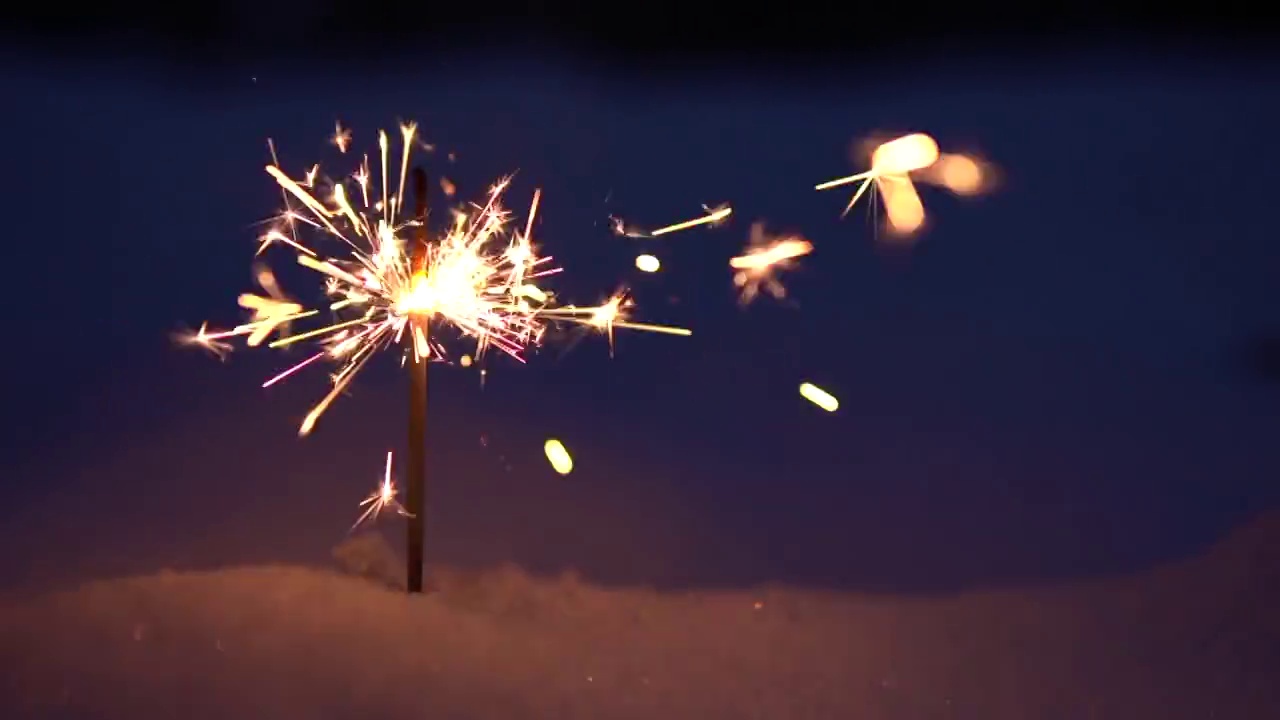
x=647, y=263
x=465, y=361
x=819, y=397
x=558, y=456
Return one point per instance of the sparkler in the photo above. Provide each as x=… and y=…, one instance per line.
x=476, y=281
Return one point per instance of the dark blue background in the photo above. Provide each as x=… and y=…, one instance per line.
x=1044, y=387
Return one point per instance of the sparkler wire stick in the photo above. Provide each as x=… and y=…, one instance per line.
x=415, y=483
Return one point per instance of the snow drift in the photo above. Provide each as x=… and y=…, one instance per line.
x=1198, y=639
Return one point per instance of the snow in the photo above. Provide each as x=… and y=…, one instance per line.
x=1191, y=640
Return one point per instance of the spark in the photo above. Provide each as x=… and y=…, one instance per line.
x=380, y=499
x=647, y=263
x=894, y=164
x=764, y=257
x=621, y=227
x=610, y=314
x=558, y=456
x=476, y=281
x=903, y=210
x=819, y=397
x=341, y=137
x=900, y=156
x=891, y=165
x=714, y=217
x=961, y=174
x=606, y=316
x=203, y=339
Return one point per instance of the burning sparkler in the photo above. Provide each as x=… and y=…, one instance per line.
x=203, y=339
x=477, y=278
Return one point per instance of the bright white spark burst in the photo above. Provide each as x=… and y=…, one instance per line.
x=476, y=278
x=381, y=499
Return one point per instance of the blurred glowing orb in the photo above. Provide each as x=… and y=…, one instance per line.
x=902, y=207
x=960, y=174
x=647, y=263
x=559, y=458
x=906, y=154
x=819, y=397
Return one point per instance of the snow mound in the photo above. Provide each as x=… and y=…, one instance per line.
x=291, y=642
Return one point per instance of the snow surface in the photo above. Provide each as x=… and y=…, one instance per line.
x=1195, y=640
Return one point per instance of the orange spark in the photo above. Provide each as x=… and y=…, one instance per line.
x=895, y=158
x=380, y=499
x=896, y=162
x=960, y=174
x=764, y=257
x=714, y=217
x=904, y=213
x=341, y=137
x=203, y=339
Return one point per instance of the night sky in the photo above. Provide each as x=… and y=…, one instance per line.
x=1046, y=386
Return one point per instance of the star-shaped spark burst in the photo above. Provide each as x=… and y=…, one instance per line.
x=474, y=281
x=766, y=255
x=381, y=499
